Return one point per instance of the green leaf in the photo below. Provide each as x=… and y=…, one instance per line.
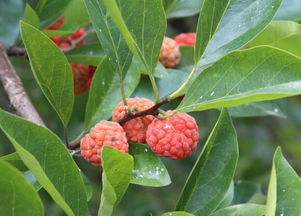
x=177, y=213
x=50, y=10
x=18, y=197
x=253, y=75
x=290, y=10
x=284, y=193
x=116, y=177
x=228, y=197
x=242, y=21
x=11, y=12
x=166, y=85
x=148, y=168
x=76, y=13
x=32, y=180
x=90, y=54
x=285, y=35
x=264, y=108
x=88, y=186
x=244, y=191
x=180, y=8
x=15, y=161
x=211, y=14
x=109, y=36
x=48, y=159
x=142, y=24
x=239, y=210
x=212, y=174
x=51, y=70
x=31, y=17
x=105, y=94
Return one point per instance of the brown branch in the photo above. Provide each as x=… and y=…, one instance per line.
x=16, y=51
x=74, y=145
x=16, y=93
x=154, y=110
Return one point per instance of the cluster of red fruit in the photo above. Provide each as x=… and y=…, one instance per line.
x=82, y=73
x=170, y=51
x=175, y=137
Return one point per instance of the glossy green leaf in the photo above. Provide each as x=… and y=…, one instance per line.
x=228, y=197
x=90, y=54
x=48, y=159
x=18, y=197
x=51, y=70
x=242, y=21
x=241, y=210
x=109, y=36
x=211, y=14
x=50, y=10
x=76, y=13
x=253, y=75
x=180, y=8
x=289, y=10
x=142, y=24
x=284, y=190
x=105, y=94
x=148, y=168
x=264, y=108
x=116, y=177
x=11, y=12
x=15, y=160
x=285, y=35
x=31, y=17
x=177, y=213
x=212, y=174
x=53, y=33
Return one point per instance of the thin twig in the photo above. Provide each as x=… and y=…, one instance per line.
x=14, y=88
x=154, y=110
x=74, y=145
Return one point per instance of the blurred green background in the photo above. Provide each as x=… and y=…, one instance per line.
x=258, y=138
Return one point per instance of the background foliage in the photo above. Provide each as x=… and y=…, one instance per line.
x=272, y=123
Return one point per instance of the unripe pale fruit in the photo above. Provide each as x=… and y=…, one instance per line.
x=135, y=129
x=175, y=137
x=104, y=133
x=170, y=53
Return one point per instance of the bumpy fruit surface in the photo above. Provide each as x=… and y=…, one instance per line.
x=170, y=53
x=186, y=39
x=136, y=128
x=104, y=133
x=82, y=77
x=175, y=137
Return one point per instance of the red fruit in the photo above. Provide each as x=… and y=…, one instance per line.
x=135, y=129
x=64, y=45
x=82, y=76
x=79, y=33
x=175, y=137
x=57, y=24
x=186, y=39
x=56, y=39
x=104, y=133
x=169, y=54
